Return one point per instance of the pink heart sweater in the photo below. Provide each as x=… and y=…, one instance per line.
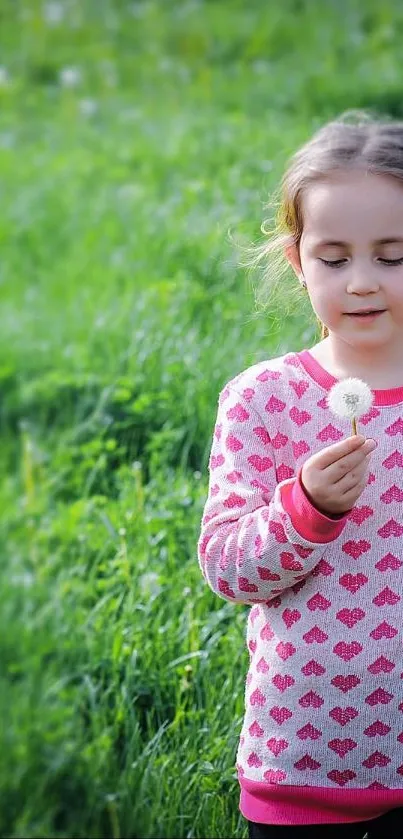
x=322, y=734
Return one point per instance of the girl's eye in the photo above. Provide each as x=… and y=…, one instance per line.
x=337, y=263
x=334, y=263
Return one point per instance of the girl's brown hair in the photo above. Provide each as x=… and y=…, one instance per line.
x=356, y=140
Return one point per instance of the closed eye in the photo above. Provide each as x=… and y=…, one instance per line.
x=337, y=263
x=333, y=263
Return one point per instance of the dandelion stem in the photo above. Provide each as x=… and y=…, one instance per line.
x=354, y=426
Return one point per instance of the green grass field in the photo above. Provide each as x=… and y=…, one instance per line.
x=133, y=137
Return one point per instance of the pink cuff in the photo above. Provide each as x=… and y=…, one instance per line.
x=306, y=519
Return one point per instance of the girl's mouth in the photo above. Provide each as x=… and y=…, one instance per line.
x=367, y=315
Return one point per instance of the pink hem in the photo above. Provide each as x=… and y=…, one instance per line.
x=291, y=805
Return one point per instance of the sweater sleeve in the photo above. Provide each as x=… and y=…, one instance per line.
x=260, y=534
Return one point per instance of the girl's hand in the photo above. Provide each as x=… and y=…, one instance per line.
x=335, y=477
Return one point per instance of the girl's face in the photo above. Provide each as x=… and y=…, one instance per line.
x=351, y=256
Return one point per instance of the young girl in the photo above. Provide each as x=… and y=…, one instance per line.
x=304, y=520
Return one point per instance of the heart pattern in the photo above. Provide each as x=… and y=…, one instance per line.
x=384, y=630
x=343, y=715
x=291, y=616
x=289, y=563
x=389, y=563
x=386, y=596
x=311, y=700
x=274, y=776
x=262, y=464
x=394, y=460
x=274, y=406
x=350, y=616
x=347, y=651
x=323, y=689
x=381, y=665
x=257, y=698
x=313, y=668
x=285, y=650
x=263, y=435
x=342, y=747
x=356, y=548
x=394, y=493
x=379, y=697
x=256, y=730
x=307, y=762
x=262, y=666
x=390, y=528
x=309, y=731
x=283, y=682
x=280, y=714
x=300, y=448
x=277, y=746
x=346, y=683
x=318, y=602
x=341, y=778
x=330, y=434
x=377, y=729
x=234, y=500
x=280, y=440
x=315, y=635
x=233, y=444
x=353, y=582
x=299, y=417
x=299, y=387
x=359, y=514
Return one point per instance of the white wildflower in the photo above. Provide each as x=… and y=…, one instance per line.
x=109, y=73
x=261, y=67
x=138, y=10
x=70, y=77
x=149, y=584
x=128, y=190
x=7, y=140
x=88, y=107
x=53, y=13
x=117, y=257
x=4, y=77
x=350, y=399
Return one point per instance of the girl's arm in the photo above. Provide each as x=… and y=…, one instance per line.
x=260, y=534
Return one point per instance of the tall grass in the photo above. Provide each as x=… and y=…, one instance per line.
x=133, y=137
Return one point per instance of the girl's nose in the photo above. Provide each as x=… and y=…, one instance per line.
x=362, y=281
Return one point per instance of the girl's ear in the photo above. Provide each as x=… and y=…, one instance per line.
x=292, y=256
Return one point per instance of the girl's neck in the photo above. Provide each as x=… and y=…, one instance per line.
x=378, y=372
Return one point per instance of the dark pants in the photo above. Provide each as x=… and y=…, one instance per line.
x=388, y=826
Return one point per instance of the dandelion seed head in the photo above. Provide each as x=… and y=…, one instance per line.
x=350, y=398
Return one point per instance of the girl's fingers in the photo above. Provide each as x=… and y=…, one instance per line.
x=336, y=451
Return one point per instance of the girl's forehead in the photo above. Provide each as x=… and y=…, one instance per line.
x=354, y=204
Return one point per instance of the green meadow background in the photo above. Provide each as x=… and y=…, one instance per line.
x=139, y=142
